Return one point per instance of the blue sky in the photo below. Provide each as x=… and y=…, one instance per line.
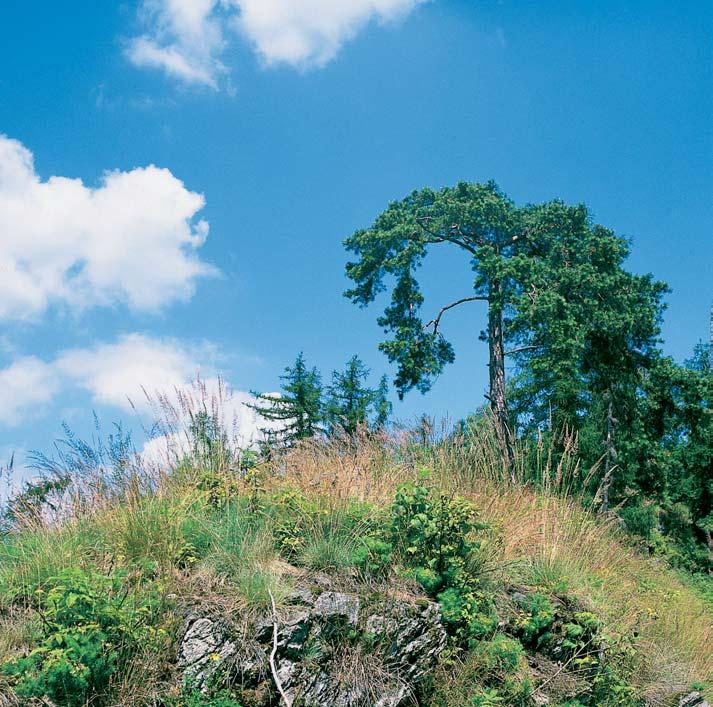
x=297, y=121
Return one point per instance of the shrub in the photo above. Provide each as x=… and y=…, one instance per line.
x=468, y=614
x=90, y=627
x=374, y=555
x=641, y=519
x=538, y=619
x=494, y=673
x=436, y=536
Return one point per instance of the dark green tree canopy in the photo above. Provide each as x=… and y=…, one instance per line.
x=352, y=404
x=476, y=218
x=581, y=324
x=558, y=297
x=298, y=408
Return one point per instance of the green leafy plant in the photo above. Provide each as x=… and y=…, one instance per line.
x=436, y=535
x=493, y=672
x=90, y=627
x=487, y=697
x=194, y=698
x=539, y=617
x=374, y=555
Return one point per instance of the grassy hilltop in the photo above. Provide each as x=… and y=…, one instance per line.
x=544, y=601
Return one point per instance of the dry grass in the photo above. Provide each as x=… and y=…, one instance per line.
x=541, y=528
x=543, y=535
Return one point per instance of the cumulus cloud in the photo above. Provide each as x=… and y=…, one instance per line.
x=120, y=373
x=27, y=386
x=160, y=378
x=186, y=38
x=62, y=242
x=311, y=32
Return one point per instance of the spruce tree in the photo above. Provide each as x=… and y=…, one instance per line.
x=297, y=410
x=382, y=404
x=349, y=399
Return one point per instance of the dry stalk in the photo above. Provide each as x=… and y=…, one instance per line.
x=273, y=668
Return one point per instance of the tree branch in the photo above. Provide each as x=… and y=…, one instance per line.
x=441, y=239
x=520, y=349
x=457, y=229
x=435, y=322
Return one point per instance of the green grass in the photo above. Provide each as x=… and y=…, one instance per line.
x=37, y=554
x=240, y=543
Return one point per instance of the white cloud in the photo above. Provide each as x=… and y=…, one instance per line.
x=186, y=38
x=179, y=380
x=310, y=32
x=118, y=374
x=27, y=385
x=133, y=239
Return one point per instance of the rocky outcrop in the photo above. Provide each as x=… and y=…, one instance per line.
x=333, y=648
x=204, y=649
x=693, y=699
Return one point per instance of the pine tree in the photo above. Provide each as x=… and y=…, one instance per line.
x=477, y=220
x=297, y=410
x=556, y=293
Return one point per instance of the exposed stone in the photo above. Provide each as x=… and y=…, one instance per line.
x=335, y=605
x=393, y=646
x=204, y=650
x=394, y=698
x=413, y=634
x=693, y=699
x=519, y=599
x=291, y=631
x=300, y=595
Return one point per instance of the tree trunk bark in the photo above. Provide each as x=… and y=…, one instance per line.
x=610, y=457
x=496, y=349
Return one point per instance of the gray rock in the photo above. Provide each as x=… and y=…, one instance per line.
x=335, y=605
x=693, y=699
x=291, y=635
x=323, y=689
x=286, y=673
x=291, y=631
x=414, y=635
x=395, y=698
x=300, y=595
x=201, y=639
x=400, y=641
x=519, y=599
x=204, y=650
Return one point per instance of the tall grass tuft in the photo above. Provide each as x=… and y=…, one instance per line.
x=546, y=531
x=165, y=520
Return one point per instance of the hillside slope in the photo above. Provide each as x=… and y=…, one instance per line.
x=387, y=572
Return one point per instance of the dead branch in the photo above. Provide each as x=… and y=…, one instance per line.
x=435, y=322
x=273, y=668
